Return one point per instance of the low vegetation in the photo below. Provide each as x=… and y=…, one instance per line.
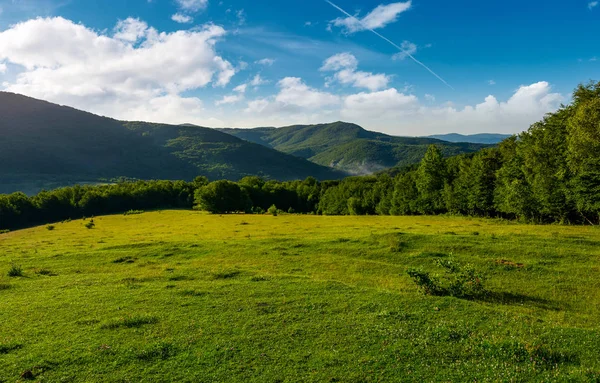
x=186, y=296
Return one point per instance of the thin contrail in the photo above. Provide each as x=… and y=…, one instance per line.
x=391, y=42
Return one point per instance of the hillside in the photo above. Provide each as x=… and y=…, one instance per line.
x=348, y=147
x=46, y=144
x=482, y=138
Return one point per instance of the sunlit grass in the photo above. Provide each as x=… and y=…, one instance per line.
x=184, y=296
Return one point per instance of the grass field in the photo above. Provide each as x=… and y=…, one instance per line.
x=180, y=296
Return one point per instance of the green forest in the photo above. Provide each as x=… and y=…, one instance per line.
x=548, y=174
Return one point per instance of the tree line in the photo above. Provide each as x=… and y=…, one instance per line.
x=550, y=173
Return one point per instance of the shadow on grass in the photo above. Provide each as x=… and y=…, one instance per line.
x=506, y=298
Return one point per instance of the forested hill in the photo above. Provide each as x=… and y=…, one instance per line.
x=41, y=141
x=349, y=147
x=482, y=138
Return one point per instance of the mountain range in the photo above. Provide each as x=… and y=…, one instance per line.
x=44, y=145
x=348, y=147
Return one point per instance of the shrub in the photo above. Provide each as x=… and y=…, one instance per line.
x=15, y=271
x=134, y=212
x=45, y=272
x=50, y=227
x=458, y=280
x=5, y=231
x=90, y=225
x=273, y=210
x=425, y=282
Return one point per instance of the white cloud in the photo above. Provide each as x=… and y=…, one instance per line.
x=266, y=62
x=340, y=61
x=130, y=30
x=3, y=68
x=408, y=48
x=491, y=82
x=125, y=76
x=430, y=97
x=346, y=64
x=192, y=5
x=379, y=105
x=397, y=113
x=378, y=18
x=594, y=59
x=295, y=92
x=240, y=88
x=182, y=19
x=258, y=81
x=257, y=106
x=230, y=99
x=592, y=5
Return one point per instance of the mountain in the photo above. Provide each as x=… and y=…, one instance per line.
x=47, y=145
x=348, y=147
x=483, y=138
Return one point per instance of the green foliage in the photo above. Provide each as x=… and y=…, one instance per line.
x=273, y=210
x=89, y=225
x=457, y=281
x=551, y=173
x=44, y=141
x=348, y=147
x=133, y=212
x=222, y=197
x=50, y=227
x=15, y=271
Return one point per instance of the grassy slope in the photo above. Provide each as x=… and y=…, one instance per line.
x=347, y=146
x=187, y=297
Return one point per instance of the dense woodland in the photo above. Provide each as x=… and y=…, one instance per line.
x=551, y=173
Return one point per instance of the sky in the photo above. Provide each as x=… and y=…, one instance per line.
x=408, y=68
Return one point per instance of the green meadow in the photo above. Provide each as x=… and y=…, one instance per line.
x=183, y=296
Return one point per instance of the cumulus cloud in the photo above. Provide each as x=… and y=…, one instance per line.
x=182, y=19
x=3, y=68
x=376, y=19
x=258, y=81
x=127, y=75
x=345, y=65
x=295, y=92
x=397, y=113
x=232, y=99
x=240, y=88
x=408, y=48
x=130, y=30
x=380, y=105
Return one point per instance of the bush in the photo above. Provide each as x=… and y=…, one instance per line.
x=458, y=281
x=50, y=227
x=134, y=212
x=5, y=231
x=90, y=225
x=273, y=210
x=15, y=271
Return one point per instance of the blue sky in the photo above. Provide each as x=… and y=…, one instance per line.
x=263, y=63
